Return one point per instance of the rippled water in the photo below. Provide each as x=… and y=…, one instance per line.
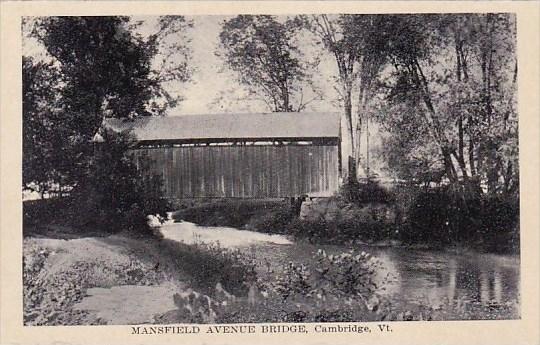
x=417, y=276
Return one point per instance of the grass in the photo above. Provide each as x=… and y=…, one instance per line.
x=208, y=265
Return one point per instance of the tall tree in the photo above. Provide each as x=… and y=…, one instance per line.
x=332, y=36
x=105, y=69
x=41, y=132
x=358, y=43
x=457, y=73
x=260, y=50
x=368, y=34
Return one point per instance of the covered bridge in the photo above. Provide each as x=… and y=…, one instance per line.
x=271, y=155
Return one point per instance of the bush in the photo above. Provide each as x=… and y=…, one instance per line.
x=368, y=224
x=43, y=211
x=500, y=224
x=367, y=191
x=366, y=229
x=114, y=194
x=341, y=288
x=275, y=221
x=428, y=218
x=315, y=231
x=348, y=275
x=209, y=264
x=227, y=212
x=453, y=215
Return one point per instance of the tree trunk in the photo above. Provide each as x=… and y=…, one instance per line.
x=347, y=106
x=433, y=121
x=285, y=99
x=361, y=112
x=358, y=143
x=460, y=157
x=449, y=168
x=471, y=156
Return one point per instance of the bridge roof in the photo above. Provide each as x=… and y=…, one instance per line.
x=231, y=126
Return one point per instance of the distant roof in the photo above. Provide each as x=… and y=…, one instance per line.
x=231, y=126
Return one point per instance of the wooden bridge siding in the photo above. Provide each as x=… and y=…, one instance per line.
x=243, y=171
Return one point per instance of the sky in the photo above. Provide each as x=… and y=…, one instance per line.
x=208, y=81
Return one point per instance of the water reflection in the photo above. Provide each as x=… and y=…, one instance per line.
x=451, y=292
x=487, y=279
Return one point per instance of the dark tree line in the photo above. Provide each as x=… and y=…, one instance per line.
x=99, y=67
x=452, y=86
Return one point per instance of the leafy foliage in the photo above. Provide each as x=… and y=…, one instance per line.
x=42, y=127
x=100, y=67
x=363, y=192
x=368, y=225
x=260, y=49
x=348, y=275
x=449, y=101
x=265, y=216
x=115, y=194
x=274, y=221
x=108, y=68
x=359, y=46
x=210, y=264
x=442, y=216
x=342, y=289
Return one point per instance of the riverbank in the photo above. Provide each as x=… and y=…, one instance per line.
x=254, y=277
x=59, y=273
x=338, y=221
x=85, y=276
x=71, y=278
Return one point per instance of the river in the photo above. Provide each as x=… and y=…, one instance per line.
x=428, y=277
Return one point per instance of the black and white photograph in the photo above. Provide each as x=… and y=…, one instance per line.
x=261, y=168
x=180, y=173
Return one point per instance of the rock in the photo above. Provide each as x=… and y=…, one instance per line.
x=319, y=208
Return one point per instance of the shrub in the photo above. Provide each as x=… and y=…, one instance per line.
x=452, y=214
x=316, y=231
x=114, y=194
x=368, y=223
x=275, y=221
x=229, y=212
x=209, y=264
x=348, y=275
x=367, y=191
x=43, y=211
x=365, y=228
x=428, y=218
x=341, y=288
x=500, y=224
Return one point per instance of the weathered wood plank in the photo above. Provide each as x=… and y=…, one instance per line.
x=243, y=171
